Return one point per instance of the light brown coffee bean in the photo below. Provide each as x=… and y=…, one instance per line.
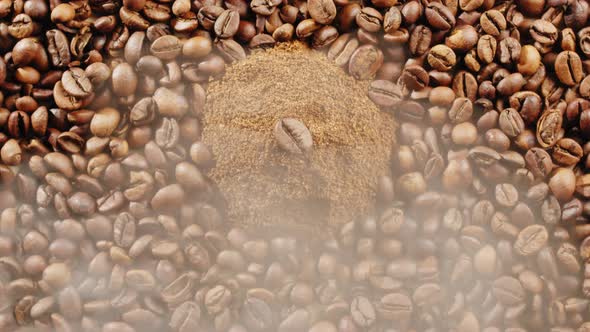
x=531, y=239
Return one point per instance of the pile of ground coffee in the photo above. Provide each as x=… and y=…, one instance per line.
x=265, y=185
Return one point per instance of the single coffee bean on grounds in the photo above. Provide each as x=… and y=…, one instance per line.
x=265, y=185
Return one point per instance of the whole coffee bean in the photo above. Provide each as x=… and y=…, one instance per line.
x=497, y=140
x=186, y=317
x=322, y=11
x=385, y=93
x=82, y=203
x=508, y=290
x=369, y=19
x=226, y=25
x=568, y=68
x=427, y=294
x=529, y=60
x=506, y=195
x=441, y=95
x=189, y=176
x=76, y=83
x=483, y=156
x=441, y=57
x=509, y=50
x=528, y=104
x=439, y=16
x=166, y=47
x=324, y=36
x=464, y=134
x=531, y=239
x=64, y=100
x=462, y=38
x=124, y=230
x=511, y=84
x=392, y=20
x=362, y=312
x=486, y=48
x=124, y=80
x=562, y=184
x=567, y=152
x=543, y=32
x=104, y=122
x=170, y=103
x=57, y=275
x=420, y=40
x=293, y=136
x=257, y=314
x=414, y=77
x=492, y=22
x=168, y=198
x=11, y=153
x=548, y=128
x=461, y=110
x=197, y=47
x=511, y=122
x=539, y=162
x=365, y=62
x=395, y=307
x=231, y=50
x=18, y=124
x=342, y=48
x=465, y=85
x=63, y=13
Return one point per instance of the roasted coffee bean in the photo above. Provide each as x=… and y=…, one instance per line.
x=324, y=37
x=257, y=314
x=441, y=58
x=539, y=162
x=362, y=312
x=465, y=85
x=506, y=195
x=226, y=25
x=385, y=93
x=365, y=62
x=548, y=128
x=58, y=48
x=567, y=152
x=392, y=20
x=414, y=77
x=508, y=290
x=568, y=68
x=231, y=50
x=369, y=19
x=562, y=184
x=293, y=136
x=509, y=50
x=530, y=240
x=543, y=32
x=461, y=110
x=124, y=230
x=420, y=40
x=166, y=47
x=528, y=104
x=486, y=48
x=322, y=11
x=511, y=122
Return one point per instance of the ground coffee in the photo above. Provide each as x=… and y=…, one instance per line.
x=264, y=184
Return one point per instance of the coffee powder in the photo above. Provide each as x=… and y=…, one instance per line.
x=267, y=186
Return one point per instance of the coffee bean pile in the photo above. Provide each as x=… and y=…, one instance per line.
x=109, y=223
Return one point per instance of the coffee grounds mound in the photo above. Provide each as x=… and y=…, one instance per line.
x=267, y=186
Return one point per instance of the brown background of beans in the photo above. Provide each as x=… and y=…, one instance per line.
x=483, y=227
